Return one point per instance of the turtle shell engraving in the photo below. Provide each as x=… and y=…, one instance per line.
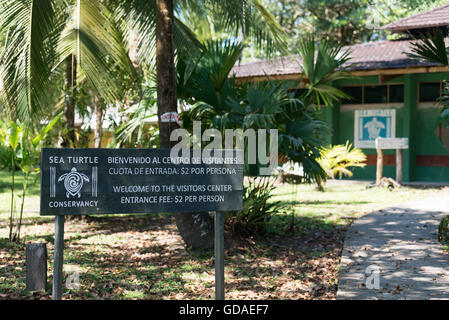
x=73, y=182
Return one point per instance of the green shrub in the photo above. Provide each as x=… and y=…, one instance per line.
x=443, y=231
x=257, y=210
x=20, y=149
x=336, y=161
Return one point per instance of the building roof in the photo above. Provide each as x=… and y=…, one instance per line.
x=387, y=54
x=434, y=18
x=278, y=66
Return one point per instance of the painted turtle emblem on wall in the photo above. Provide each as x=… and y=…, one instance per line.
x=73, y=182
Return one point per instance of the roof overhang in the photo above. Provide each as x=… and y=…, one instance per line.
x=384, y=75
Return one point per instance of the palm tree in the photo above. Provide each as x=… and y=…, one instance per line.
x=219, y=102
x=165, y=69
x=239, y=18
x=42, y=35
x=196, y=229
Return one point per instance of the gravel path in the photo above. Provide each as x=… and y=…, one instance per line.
x=394, y=254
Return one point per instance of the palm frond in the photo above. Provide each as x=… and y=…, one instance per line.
x=206, y=77
x=93, y=38
x=432, y=48
x=322, y=66
x=140, y=16
x=336, y=160
x=250, y=19
x=30, y=38
x=219, y=58
x=240, y=18
x=139, y=115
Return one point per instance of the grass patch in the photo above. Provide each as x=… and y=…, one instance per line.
x=339, y=205
x=31, y=206
x=5, y=183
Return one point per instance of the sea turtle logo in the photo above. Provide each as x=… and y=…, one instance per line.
x=73, y=182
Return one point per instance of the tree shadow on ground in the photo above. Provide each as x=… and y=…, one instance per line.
x=136, y=266
x=124, y=223
x=403, y=243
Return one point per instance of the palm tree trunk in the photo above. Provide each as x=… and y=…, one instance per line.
x=98, y=122
x=195, y=229
x=165, y=68
x=69, y=102
x=69, y=139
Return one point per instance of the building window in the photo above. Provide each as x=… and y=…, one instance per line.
x=391, y=93
x=355, y=92
x=429, y=91
x=396, y=93
x=376, y=94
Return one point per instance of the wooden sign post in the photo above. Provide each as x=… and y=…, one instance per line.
x=379, y=165
x=390, y=143
x=219, y=256
x=59, y=258
x=109, y=181
x=399, y=166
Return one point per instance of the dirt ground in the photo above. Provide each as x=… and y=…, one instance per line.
x=143, y=257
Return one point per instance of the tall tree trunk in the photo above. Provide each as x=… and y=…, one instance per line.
x=165, y=68
x=69, y=102
x=69, y=139
x=195, y=229
x=98, y=122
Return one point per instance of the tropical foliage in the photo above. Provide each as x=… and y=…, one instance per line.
x=76, y=53
x=138, y=131
x=40, y=37
x=231, y=18
x=343, y=22
x=322, y=64
x=338, y=159
x=20, y=149
x=258, y=207
x=219, y=102
x=205, y=84
x=54, y=52
x=432, y=48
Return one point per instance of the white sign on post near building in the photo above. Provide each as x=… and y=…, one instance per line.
x=392, y=143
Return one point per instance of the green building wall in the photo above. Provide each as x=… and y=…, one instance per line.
x=412, y=121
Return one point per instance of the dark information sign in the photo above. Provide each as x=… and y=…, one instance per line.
x=102, y=181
